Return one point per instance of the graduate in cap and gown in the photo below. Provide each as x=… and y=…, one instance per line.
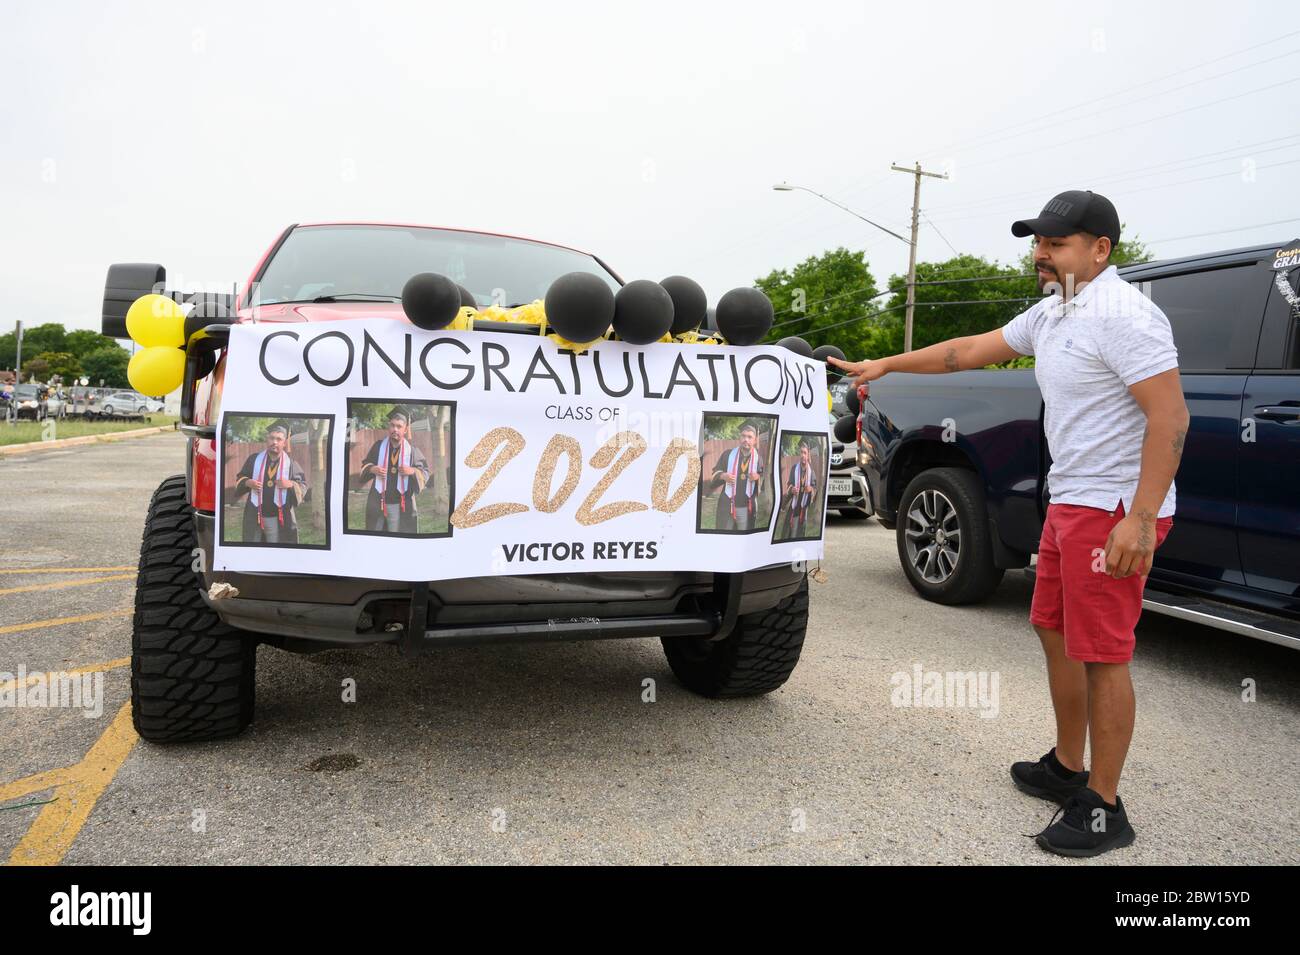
x=275, y=486
x=399, y=472
x=739, y=474
x=800, y=487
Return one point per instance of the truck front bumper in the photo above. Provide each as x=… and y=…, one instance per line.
x=308, y=611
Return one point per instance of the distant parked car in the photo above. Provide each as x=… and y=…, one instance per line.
x=29, y=402
x=847, y=490
x=123, y=403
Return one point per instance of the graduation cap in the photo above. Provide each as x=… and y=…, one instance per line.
x=750, y=426
x=399, y=414
x=278, y=426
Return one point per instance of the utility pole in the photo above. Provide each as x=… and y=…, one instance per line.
x=18, y=359
x=918, y=172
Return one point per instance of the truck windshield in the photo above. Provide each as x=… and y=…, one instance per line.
x=356, y=262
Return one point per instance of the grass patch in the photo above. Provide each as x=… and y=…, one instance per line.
x=709, y=510
x=32, y=432
x=430, y=518
x=307, y=532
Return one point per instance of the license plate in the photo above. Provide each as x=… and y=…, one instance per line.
x=841, y=487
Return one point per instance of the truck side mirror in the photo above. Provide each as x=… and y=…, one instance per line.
x=126, y=282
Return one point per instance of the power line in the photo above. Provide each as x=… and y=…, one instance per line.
x=1244, y=228
x=1121, y=92
x=1139, y=172
x=1131, y=192
x=1072, y=119
x=941, y=235
x=895, y=308
x=1143, y=122
x=901, y=288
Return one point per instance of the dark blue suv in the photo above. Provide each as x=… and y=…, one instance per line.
x=1232, y=559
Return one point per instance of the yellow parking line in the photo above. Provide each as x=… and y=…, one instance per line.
x=61, y=570
x=58, y=621
x=35, y=783
x=56, y=827
x=63, y=583
x=9, y=686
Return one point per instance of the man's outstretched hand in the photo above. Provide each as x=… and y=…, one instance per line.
x=862, y=371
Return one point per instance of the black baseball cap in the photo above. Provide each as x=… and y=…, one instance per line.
x=1078, y=210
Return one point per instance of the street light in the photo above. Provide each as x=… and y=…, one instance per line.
x=918, y=172
x=786, y=187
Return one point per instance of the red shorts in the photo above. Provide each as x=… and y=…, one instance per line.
x=1073, y=592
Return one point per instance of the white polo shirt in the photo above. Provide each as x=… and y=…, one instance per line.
x=1088, y=352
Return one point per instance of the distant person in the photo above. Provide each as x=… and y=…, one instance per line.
x=399, y=472
x=276, y=487
x=1115, y=421
x=739, y=474
x=800, y=491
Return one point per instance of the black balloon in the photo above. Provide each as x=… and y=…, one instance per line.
x=744, y=316
x=853, y=399
x=643, y=312
x=467, y=299
x=846, y=428
x=579, y=307
x=822, y=352
x=430, y=300
x=690, y=304
x=797, y=345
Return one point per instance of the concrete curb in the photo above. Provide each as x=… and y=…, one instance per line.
x=10, y=450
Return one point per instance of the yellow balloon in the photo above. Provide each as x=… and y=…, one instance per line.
x=158, y=370
x=155, y=320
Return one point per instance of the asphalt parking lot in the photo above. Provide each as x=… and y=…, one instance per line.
x=547, y=753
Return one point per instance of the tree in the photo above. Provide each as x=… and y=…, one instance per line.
x=109, y=363
x=83, y=341
x=48, y=337
x=820, y=292
x=964, y=278
x=61, y=363
x=35, y=369
x=51, y=337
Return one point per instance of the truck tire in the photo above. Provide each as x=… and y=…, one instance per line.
x=940, y=507
x=757, y=657
x=191, y=674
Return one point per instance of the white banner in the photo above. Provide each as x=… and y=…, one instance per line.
x=372, y=448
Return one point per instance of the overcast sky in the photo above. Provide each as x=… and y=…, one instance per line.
x=650, y=134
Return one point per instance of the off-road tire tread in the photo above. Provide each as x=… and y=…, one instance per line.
x=192, y=676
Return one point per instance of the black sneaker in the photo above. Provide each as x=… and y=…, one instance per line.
x=1087, y=827
x=1039, y=779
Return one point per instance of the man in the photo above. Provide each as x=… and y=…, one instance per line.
x=276, y=486
x=399, y=472
x=739, y=473
x=799, y=487
x=1115, y=423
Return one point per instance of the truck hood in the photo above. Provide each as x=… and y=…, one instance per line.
x=324, y=312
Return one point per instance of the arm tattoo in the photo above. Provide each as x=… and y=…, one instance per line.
x=950, y=360
x=1179, y=438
